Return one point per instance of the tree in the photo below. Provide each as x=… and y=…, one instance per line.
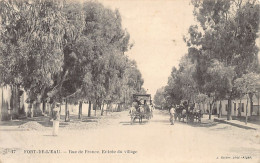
x=201, y=98
x=227, y=33
x=159, y=98
x=173, y=89
x=61, y=51
x=187, y=83
x=218, y=82
x=31, y=38
x=247, y=85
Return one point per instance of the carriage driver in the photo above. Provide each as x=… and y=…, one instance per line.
x=172, y=112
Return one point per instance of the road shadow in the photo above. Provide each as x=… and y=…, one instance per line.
x=126, y=123
x=161, y=121
x=46, y=120
x=202, y=124
x=84, y=117
x=206, y=124
x=163, y=112
x=16, y=129
x=13, y=123
x=51, y=135
x=89, y=120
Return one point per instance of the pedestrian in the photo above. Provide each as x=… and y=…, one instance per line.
x=56, y=120
x=172, y=112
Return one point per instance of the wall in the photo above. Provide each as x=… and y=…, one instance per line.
x=234, y=107
x=5, y=98
x=18, y=107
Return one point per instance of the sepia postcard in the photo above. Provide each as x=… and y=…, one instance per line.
x=129, y=81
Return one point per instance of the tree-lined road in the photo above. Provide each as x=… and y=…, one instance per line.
x=153, y=141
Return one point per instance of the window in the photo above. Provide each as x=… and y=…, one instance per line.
x=242, y=108
x=235, y=106
x=226, y=107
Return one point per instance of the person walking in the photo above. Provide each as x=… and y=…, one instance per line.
x=56, y=120
x=172, y=112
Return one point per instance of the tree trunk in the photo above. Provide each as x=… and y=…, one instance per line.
x=48, y=108
x=258, y=111
x=95, y=108
x=89, y=109
x=239, y=110
x=251, y=103
x=11, y=103
x=34, y=108
x=19, y=107
x=229, y=117
x=43, y=106
x=80, y=110
x=210, y=109
x=67, y=112
x=31, y=109
x=220, y=110
x=106, y=109
x=102, y=109
x=118, y=107
x=52, y=108
x=246, y=107
x=14, y=110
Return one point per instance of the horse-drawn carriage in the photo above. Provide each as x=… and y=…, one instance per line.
x=142, y=107
x=187, y=112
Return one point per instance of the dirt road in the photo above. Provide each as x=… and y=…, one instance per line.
x=153, y=141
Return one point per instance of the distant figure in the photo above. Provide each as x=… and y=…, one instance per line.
x=172, y=112
x=56, y=120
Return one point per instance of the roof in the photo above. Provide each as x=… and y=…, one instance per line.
x=146, y=95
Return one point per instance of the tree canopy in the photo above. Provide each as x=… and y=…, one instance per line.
x=221, y=52
x=59, y=50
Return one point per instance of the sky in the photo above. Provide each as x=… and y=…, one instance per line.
x=156, y=28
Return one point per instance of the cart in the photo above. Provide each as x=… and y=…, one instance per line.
x=142, y=107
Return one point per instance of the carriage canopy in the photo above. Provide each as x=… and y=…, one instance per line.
x=142, y=98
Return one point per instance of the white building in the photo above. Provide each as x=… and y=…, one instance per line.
x=238, y=108
x=235, y=106
x=13, y=105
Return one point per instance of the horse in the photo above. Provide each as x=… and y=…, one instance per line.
x=184, y=114
x=132, y=112
x=180, y=112
x=198, y=115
